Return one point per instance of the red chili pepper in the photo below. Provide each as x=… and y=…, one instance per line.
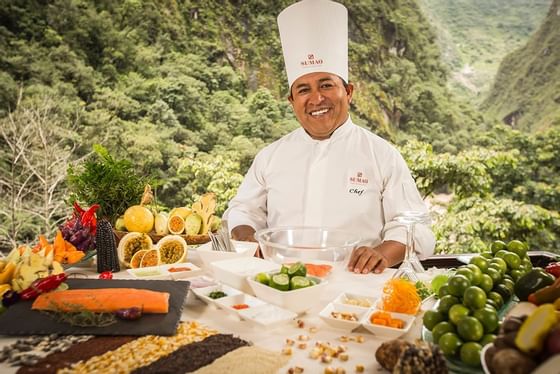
x=106, y=275
x=553, y=268
x=88, y=218
x=78, y=208
x=43, y=285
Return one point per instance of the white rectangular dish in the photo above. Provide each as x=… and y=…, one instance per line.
x=235, y=303
x=267, y=316
x=169, y=271
x=234, y=272
x=298, y=300
x=242, y=250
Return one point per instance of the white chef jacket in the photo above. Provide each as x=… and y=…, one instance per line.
x=354, y=181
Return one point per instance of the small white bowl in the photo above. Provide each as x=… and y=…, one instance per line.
x=234, y=272
x=328, y=315
x=242, y=249
x=356, y=301
x=203, y=293
x=386, y=331
x=227, y=303
x=297, y=301
x=267, y=316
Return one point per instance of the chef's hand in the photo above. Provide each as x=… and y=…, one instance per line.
x=245, y=233
x=367, y=259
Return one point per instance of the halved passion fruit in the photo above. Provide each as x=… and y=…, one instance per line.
x=132, y=243
x=136, y=259
x=151, y=258
x=176, y=224
x=172, y=249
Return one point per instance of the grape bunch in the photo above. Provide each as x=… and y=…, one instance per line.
x=81, y=228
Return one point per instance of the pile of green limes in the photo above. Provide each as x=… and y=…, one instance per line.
x=289, y=278
x=466, y=316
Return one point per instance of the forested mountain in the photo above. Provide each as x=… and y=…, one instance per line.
x=475, y=35
x=188, y=91
x=526, y=91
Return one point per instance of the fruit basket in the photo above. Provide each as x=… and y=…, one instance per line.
x=190, y=239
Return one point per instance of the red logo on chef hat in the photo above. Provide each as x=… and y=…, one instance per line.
x=311, y=61
x=359, y=178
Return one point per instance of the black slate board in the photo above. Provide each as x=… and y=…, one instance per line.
x=20, y=319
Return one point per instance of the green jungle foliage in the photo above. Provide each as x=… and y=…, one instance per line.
x=475, y=35
x=186, y=92
x=530, y=72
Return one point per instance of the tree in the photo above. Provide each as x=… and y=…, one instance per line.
x=37, y=143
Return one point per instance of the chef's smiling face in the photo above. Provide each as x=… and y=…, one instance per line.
x=321, y=103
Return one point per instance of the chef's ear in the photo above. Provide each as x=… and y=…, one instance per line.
x=349, y=87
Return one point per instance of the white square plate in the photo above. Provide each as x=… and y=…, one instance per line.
x=203, y=293
x=385, y=331
x=228, y=303
x=166, y=271
x=267, y=316
x=329, y=313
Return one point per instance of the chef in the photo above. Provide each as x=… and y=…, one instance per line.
x=329, y=172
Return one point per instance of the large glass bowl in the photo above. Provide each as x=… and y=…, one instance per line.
x=310, y=245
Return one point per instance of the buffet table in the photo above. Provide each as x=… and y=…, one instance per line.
x=361, y=344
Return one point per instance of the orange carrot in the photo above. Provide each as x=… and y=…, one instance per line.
x=399, y=295
x=103, y=300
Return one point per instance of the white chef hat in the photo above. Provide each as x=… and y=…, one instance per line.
x=314, y=36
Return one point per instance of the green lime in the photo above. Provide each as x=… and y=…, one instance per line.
x=491, y=304
x=477, y=274
x=501, y=263
x=474, y=297
x=466, y=272
x=500, y=254
x=470, y=354
x=297, y=270
x=497, y=245
x=450, y=344
x=432, y=318
x=489, y=319
x=516, y=274
x=481, y=262
x=298, y=282
x=446, y=302
x=487, y=255
x=497, y=267
x=470, y=329
x=496, y=298
x=526, y=262
x=284, y=269
x=263, y=278
x=486, y=283
x=505, y=292
x=443, y=291
x=517, y=247
x=457, y=285
x=440, y=329
x=458, y=311
x=494, y=274
x=280, y=281
x=487, y=339
x=513, y=260
x=438, y=281
x=509, y=283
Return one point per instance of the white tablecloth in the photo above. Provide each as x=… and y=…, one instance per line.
x=275, y=339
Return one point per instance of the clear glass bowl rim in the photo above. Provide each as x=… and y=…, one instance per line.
x=260, y=233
